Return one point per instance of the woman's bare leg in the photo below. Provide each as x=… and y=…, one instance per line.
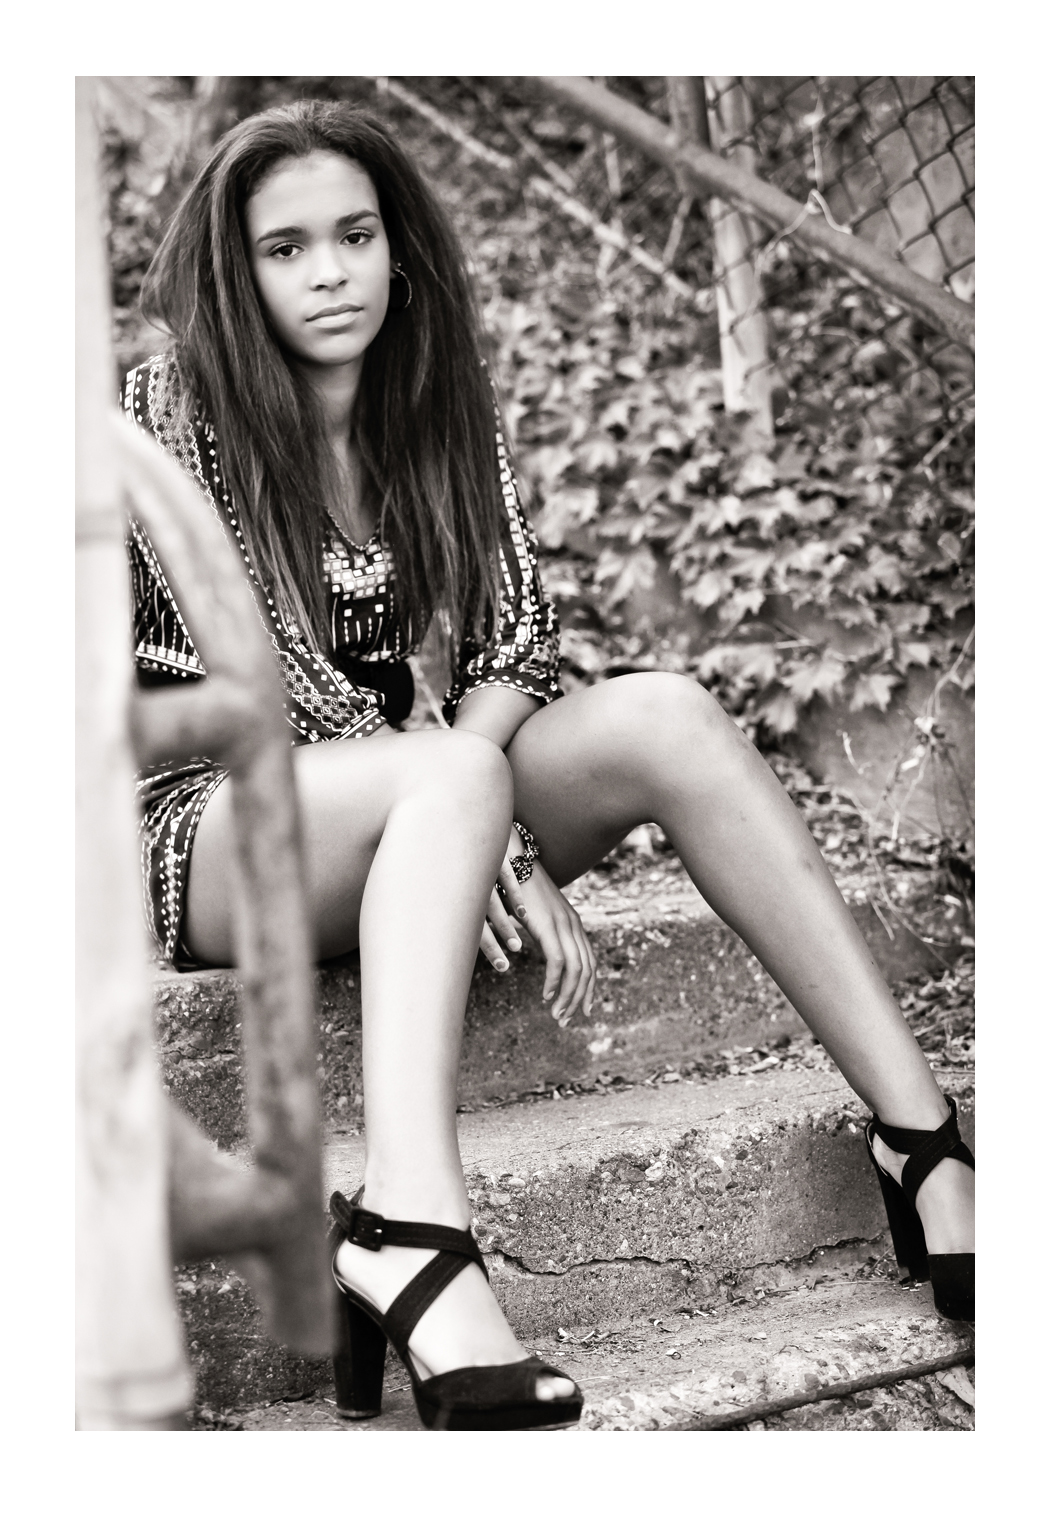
x=403, y=838
x=655, y=747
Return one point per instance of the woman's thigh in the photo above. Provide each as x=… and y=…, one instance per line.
x=591, y=766
x=345, y=793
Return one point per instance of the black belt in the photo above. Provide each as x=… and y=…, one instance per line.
x=391, y=678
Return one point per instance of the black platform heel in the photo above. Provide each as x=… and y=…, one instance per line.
x=473, y=1397
x=952, y=1276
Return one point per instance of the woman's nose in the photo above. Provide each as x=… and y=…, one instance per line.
x=326, y=270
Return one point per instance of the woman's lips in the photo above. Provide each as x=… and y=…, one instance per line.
x=329, y=312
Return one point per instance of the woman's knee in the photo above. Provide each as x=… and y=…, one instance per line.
x=657, y=704
x=467, y=769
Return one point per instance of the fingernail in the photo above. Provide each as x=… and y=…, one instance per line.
x=522, y=913
x=502, y=964
x=514, y=943
x=548, y=996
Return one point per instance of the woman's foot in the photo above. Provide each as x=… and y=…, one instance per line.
x=464, y=1326
x=945, y=1202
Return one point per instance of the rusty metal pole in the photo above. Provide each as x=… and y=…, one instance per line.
x=131, y=1371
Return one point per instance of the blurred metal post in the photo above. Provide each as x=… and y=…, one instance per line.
x=131, y=1368
x=274, y=1210
x=151, y=1187
x=743, y=336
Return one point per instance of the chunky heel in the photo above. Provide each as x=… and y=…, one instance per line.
x=359, y=1362
x=953, y=1282
x=952, y=1276
x=472, y=1397
x=907, y=1231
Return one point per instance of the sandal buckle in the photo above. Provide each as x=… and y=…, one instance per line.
x=368, y=1229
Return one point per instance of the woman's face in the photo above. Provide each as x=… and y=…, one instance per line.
x=320, y=257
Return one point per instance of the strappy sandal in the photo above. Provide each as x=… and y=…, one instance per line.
x=472, y=1397
x=952, y=1276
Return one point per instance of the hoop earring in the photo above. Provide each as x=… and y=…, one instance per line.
x=398, y=270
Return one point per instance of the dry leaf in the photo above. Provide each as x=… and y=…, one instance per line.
x=959, y=1382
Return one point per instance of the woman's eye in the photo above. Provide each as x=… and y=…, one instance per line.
x=283, y=250
x=357, y=236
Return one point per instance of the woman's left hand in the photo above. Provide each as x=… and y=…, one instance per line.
x=554, y=923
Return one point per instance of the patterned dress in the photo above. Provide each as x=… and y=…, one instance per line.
x=362, y=684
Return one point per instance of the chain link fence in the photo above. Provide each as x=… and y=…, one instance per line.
x=887, y=159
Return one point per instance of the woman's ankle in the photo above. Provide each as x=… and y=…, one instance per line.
x=417, y=1199
x=921, y=1114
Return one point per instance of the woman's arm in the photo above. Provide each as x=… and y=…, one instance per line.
x=494, y=712
x=520, y=659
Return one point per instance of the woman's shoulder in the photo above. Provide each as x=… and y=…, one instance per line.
x=151, y=387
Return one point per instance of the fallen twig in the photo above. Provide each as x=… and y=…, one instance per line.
x=755, y=1412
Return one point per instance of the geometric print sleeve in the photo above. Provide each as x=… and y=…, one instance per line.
x=524, y=651
x=320, y=702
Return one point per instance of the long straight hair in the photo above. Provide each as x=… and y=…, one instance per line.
x=423, y=419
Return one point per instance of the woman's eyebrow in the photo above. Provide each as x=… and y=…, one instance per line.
x=348, y=221
x=342, y=221
x=281, y=232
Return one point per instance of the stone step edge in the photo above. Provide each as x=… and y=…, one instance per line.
x=536, y=1291
x=792, y=1341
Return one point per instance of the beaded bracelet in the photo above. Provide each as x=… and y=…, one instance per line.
x=521, y=865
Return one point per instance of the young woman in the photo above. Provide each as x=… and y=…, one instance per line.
x=325, y=390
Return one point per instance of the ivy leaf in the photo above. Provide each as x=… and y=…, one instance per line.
x=636, y=571
x=748, y=661
x=904, y=617
x=598, y=454
x=912, y=653
x=565, y=510
x=814, y=511
x=809, y=556
x=733, y=510
x=951, y=598
x=754, y=563
x=546, y=465
x=873, y=690
x=710, y=588
x=741, y=604
x=666, y=438
x=779, y=714
x=583, y=650
x=817, y=677
x=616, y=414
x=886, y=571
x=757, y=473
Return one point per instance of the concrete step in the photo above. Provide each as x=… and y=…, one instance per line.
x=607, y=1209
x=673, y=984
x=841, y=1320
